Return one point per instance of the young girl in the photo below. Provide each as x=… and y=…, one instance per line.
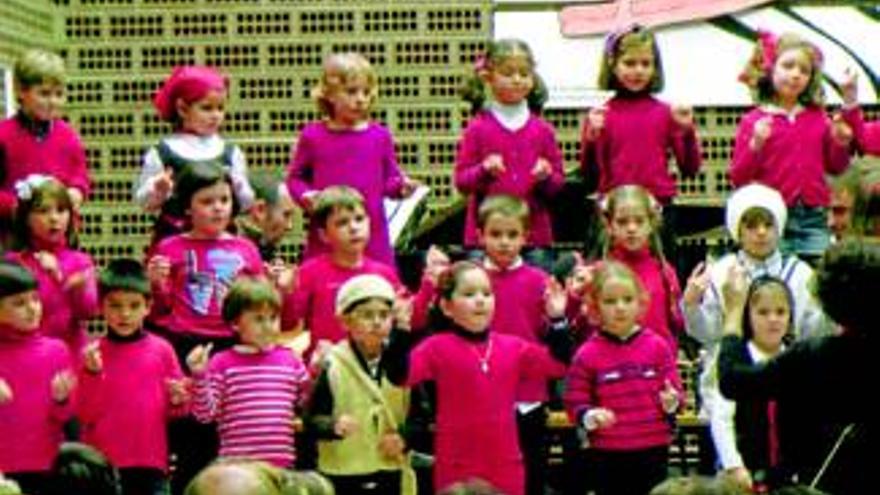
x=347, y=148
x=193, y=101
x=44, y=238
x=622, y=387
x=788, y=142
x=628, y=140
x=632, y=218
x=251, y=390
x=35, y=383
x=477, y=371
x=742, y=430
x=507, y=149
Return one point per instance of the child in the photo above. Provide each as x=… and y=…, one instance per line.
x=36, y=140
x=744, y=432
x=622, y=387
x=507, y=149
x=632, y=219
x=347, y=148
x=191, y=272
x=755, y=215
x=524, y=306
x=477, y=370
x=270, y=217
x=251, y=390
x=341, y=221
x=627, y=141
x=44, y=238
x=357, y=413
x=193, y=101
x=131, y=384
x=35, y=383
x=788, y=142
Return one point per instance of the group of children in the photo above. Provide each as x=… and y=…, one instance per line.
x=488, y=332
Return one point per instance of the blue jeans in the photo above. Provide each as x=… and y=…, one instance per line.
x=806, y=231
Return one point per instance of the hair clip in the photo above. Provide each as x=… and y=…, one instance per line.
x=24, y=188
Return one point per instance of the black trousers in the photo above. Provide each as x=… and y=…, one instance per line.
x=378, y=483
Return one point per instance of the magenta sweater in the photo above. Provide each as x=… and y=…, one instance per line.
x=362, y=159
x=476, y=435
x=519, y=310
x=520, y=151
x=867, y=134
x=65, y=311
x=795, y=158
x=201, y=272
x=125, y=409
x=30, y=425
x=661, y=283
x=251, y=397
x=639, y=134
x=60, y=154
x=625, y=376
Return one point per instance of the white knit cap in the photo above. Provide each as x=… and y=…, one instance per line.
x=361, y=288
x=754, y=196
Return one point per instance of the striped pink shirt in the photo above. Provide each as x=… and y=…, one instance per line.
x=251, y=397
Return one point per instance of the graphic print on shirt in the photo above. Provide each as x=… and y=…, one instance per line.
x=203, y=287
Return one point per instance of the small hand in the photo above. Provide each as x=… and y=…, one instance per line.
x=308, y=200
x=555, y=299
x=595, y=123
x=669, y=399
x=683, y=116
x=403, y=310
x=761, y=132
x=62, y=385
x=178, y=391
x=849, y=87
x=409, y=187
x=598, y=418
x=494, y=164
x=92, y=359
x=282, y=275
x=841, y=132
x=345, y=425
x=697, y=284
x=6, y=394
x=76, y=281
x=392, y=446
x=436, y=262
x=158, y=270
x=542, y=170
x=197, y=359
x=49, y=263
x=164, y=183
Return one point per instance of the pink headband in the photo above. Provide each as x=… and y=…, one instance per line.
x=191, y=83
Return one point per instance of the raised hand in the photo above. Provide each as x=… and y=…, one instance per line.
x=599, y=417
x=761, y=132
x=542, y=169
x=555, y=299
x=409, y=187
x=669, y=399
x=164, y=183
x=697, y=283
x=197, y=359
x=308, y=200
x=62, y=385
x=436, y=262
x=849, y=87
x=345, y=425
x=159, y=270
x=178, y=391
x=841, y=132
x=92, y=359
x=494, y=164
x=683, y=116
x=282, y=275
x=595, y=123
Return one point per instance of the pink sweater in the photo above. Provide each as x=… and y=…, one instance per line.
x=125, y=409
x=867, y=134
x=251, y=397
x=795, y=158
x=60, y=154
x=520, y=151
x=66, y=311
x=639, y=133
x=30, y=424
x=364, y=160
x=625, y=376
x=201, y=272
x=476, y=435
x=519, y=310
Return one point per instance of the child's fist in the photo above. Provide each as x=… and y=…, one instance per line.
x=761, y=132
x=669, y=399
x=409, y=187
x=598, y=418
x=696, y=286
x=841, y=132
x=542, y=169
x=494, y=164
x=92, y=357
x=197, y=359
x=849, y=87
x=392, y=446
x=555, y=299
x=62, y=385
x=345, y=425
x=164, y=184
x=683, y=116
x=282, y=275
x=436, y=262
x=178, y=391
x=595, y=123
x=158, y=270
x=5, y=392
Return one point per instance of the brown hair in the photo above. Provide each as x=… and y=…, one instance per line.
x=617, y=44
x=504, y=205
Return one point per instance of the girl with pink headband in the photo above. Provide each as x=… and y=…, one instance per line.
x=193, y=101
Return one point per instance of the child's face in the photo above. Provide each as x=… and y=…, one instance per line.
x=211, y=209
x=259, y=326
x=21, y=311
x=472, y=303
x=791, y=74
x=42, y=101
x=634, y=68
x=511, y=79
x=276, y=220
x=840, y=212
x=630, y=225
x=369, y=324
x=203, y=117
x=769, y=314
x=758, y=237
x=351, y=101
x=620, y=305
x=125, y=311
x=48, y=221
x=347, y=230
x=503, y=237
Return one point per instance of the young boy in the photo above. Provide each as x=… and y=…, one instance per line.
x=131, y=384
x=36, y=140
x=345, y=227
x=356, y=412
x=524, y=306
x=270, y=216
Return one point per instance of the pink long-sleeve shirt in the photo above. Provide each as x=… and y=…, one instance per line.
x=794, y=159
x=520, y=151
x=476, y=435
x=31, y=423
x=125, y=408
x=251, y=396
x=867, y=134
x=59, y=154
x=362, y=159
x=633, y=148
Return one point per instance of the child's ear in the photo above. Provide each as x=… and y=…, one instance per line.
x=444, y=307
x=181, y=106
x=258, y=210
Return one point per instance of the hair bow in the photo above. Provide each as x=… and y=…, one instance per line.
x=24, y=188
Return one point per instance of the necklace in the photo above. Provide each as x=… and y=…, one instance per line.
x=484, y=358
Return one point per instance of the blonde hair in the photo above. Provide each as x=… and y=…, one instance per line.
x=338, y=70
x=617, y=44
x=35, y=67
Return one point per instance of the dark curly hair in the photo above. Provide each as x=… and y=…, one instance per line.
x=847, y=275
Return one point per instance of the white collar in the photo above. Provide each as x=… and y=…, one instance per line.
x=757, y=354
x=771, y=265
x=511, y=117
x=790, y=115
x=489, y=265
